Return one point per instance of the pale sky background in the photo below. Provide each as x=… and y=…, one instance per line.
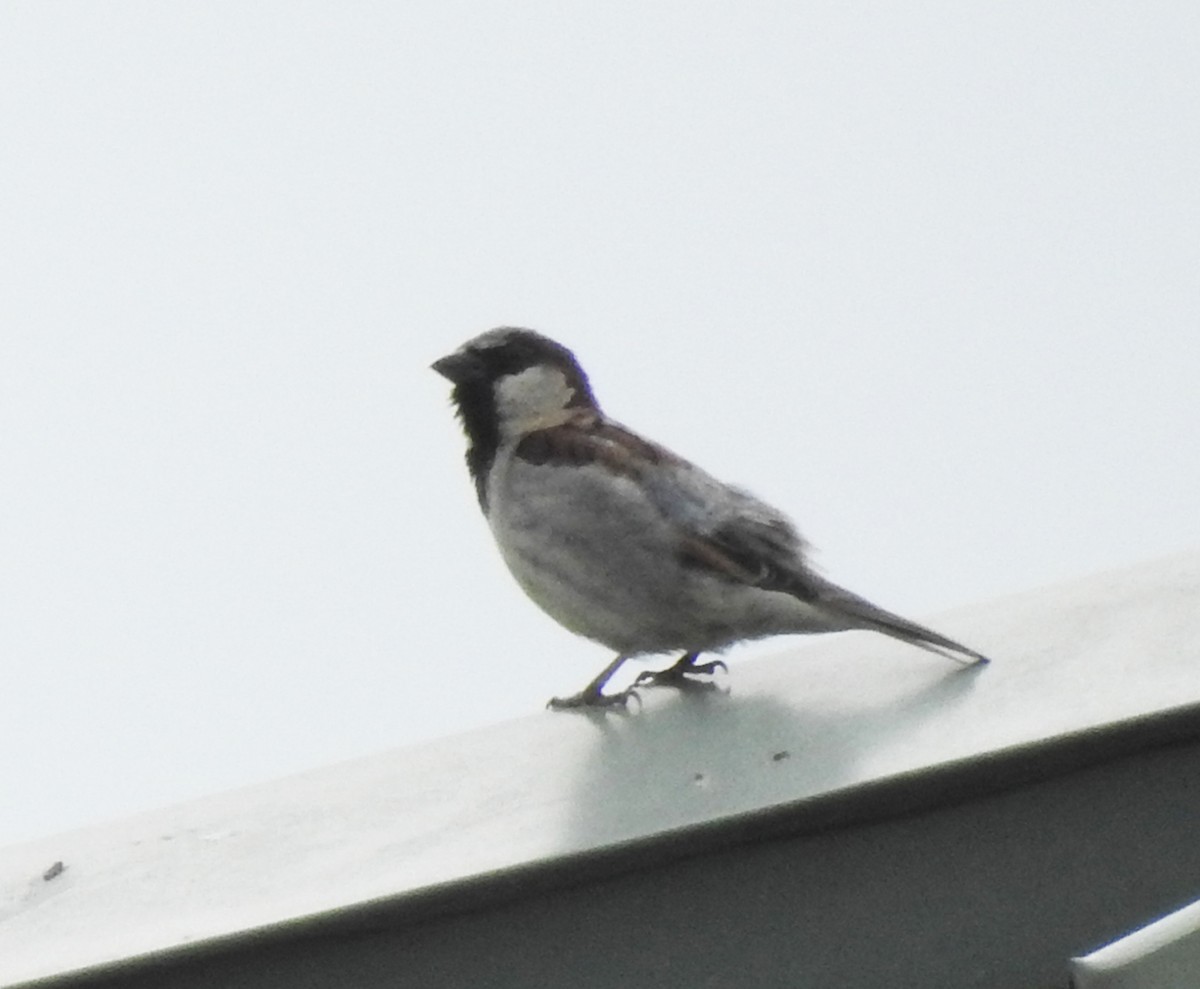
x=925, y=275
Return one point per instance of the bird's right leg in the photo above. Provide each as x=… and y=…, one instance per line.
x=682, y=674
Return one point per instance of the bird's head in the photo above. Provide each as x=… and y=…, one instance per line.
x=509, y=382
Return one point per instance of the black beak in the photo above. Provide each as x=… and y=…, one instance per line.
x=458, y=367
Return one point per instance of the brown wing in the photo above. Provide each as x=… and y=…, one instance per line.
x=585, y=438
x=721, y=529
x=761, y=552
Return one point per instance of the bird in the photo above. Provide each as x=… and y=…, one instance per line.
x=626, y=543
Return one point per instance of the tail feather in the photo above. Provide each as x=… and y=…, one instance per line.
x=858, y=612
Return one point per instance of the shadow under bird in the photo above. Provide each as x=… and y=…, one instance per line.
x=624, y=542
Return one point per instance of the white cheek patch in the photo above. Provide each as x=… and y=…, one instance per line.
x=533, y=399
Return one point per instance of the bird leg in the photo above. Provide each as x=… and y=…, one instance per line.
x=682, y=674
x=593, y=694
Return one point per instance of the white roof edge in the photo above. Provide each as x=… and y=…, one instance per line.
x=832, y=731
x=1162, y=955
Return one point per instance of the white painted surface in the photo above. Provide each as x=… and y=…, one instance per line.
x=828, y=715
x=1161, y=955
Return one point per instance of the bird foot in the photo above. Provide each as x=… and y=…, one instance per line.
x=682, y=676
x=593, y=700
x=593, y=697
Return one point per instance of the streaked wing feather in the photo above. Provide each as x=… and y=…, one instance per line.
x=722, y=529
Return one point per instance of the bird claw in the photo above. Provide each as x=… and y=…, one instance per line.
x=592, y=700
x=682, y=676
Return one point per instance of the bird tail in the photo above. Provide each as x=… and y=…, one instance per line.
x=858, y=612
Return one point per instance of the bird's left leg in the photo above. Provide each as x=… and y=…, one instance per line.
x=593, y=695
x=682, y=674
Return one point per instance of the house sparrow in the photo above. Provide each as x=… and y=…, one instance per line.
x=622, y=541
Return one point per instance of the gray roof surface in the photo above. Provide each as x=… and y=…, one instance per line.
x=831, y=730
